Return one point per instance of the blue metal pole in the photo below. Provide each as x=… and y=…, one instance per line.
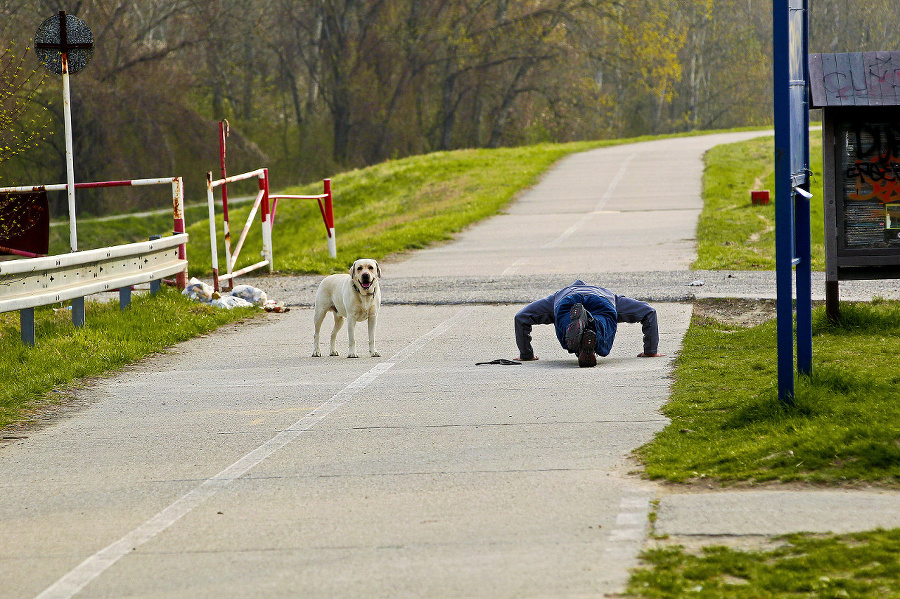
x=784, y=198
x=802, y=233
x=804, y=285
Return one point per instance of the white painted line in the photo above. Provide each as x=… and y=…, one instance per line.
x=627, y=534
x=635, y=503
x=70, y=584
x=631, y=521
x=625, y=519
x=511, y=270
x=598, y=209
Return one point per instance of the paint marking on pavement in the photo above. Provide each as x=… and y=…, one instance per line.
x=597, y=209
x=511, y=269
x=79, y=577
x=631, y=521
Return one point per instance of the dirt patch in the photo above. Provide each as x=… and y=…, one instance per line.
x=736, y=312
x=696, y=544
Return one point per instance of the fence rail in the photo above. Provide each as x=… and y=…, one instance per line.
x=267, y=219
x=26, y=284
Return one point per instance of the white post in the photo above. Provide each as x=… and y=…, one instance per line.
x=266, y=213
x=70, y=166
x=332, y=244
x=212, y=229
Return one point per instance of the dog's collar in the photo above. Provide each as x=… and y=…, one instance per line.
x=361, y=291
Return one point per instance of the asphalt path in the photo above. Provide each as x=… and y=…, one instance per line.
x=235, y=465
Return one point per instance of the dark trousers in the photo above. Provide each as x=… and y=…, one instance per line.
x=601, y=309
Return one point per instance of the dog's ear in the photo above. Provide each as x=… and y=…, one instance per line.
x=378, y=269
x=352, y=269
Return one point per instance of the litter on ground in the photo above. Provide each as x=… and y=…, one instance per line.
x=241, y=296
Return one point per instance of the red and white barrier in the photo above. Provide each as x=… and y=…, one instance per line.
x=267, y=218
x=325, y=207
x=177, y=205
x=261, y=202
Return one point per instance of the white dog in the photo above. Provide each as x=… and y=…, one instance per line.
x=355, y=296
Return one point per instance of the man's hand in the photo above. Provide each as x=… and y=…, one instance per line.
x=645, y=355
x=527, y=359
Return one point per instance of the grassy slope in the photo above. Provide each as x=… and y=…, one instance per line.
x=398, y=205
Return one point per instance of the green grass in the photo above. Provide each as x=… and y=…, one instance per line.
x=732, y=233
x=110, y=339
x=852, y=565
x=728, y=424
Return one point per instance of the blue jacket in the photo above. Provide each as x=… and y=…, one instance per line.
x=543, y=312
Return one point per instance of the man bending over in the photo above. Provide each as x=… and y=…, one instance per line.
x=585, y=318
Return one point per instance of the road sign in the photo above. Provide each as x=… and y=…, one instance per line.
x=64, y=45
x=64, y=36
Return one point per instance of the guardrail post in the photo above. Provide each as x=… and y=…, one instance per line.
x=78, y=311
x=26, y=323
x=155, y=284
x=124, y=297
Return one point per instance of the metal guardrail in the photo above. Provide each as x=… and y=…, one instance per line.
x=26, y=284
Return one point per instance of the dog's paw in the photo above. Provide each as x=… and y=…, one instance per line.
x=317, y=354
x=352, y=356
x=375, y=354
x=334, y=353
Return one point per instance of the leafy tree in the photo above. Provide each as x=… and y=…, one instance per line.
x=22, y=119
x=313, y=86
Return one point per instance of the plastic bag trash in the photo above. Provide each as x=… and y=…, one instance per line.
x=230, y=301
x=241, y=296
x=250, y=294
x=200, y=291
x=696, y=284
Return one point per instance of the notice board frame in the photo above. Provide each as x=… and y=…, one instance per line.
x=857, y=88
x=847, y=259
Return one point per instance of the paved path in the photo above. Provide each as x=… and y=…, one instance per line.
x=235, y=465
x=611, y=210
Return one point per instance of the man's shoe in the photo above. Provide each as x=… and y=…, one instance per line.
x=586, y=355
x=576, y=328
